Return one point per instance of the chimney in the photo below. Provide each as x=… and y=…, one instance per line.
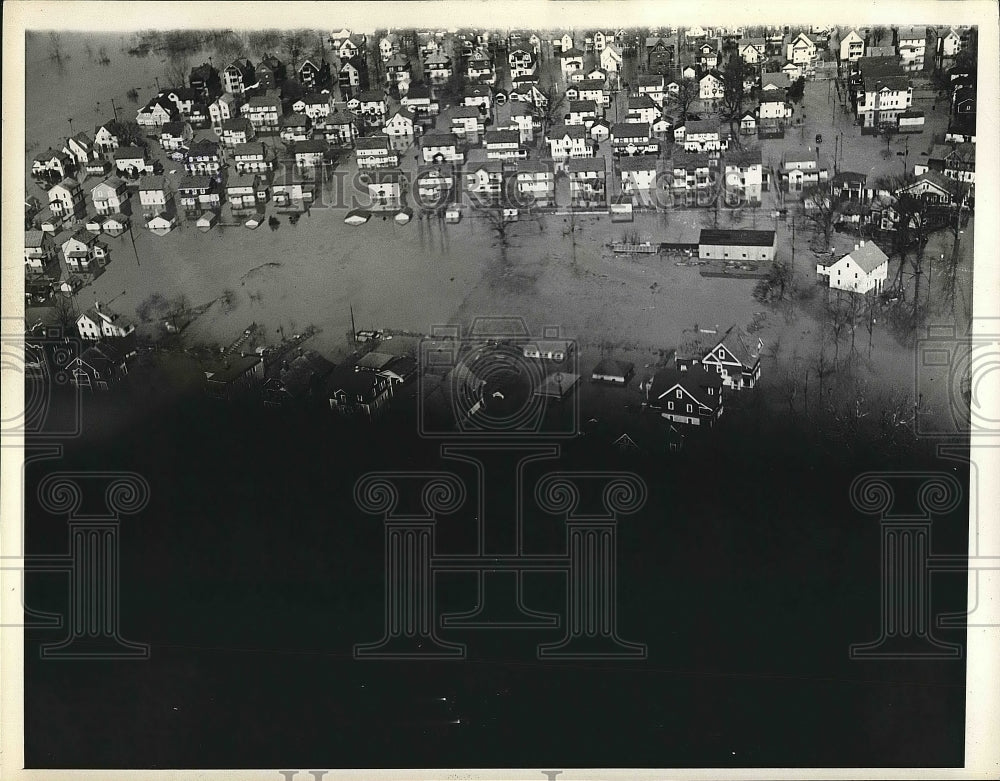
x=862, y=242
x=857, y=246
x=97, y=305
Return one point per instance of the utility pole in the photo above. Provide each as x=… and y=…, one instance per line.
x=354, y=333
x=114, y=108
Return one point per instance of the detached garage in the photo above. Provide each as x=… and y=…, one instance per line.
x=737, y=245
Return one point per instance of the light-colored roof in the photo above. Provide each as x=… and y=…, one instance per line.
x=869, y=257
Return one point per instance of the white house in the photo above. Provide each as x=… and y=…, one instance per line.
x=773, y=105
x=110, y=196
x=567, y=141
x=800, y=50
x=611, y=58
x=710, y=87
x=440, y=148
x=852, y=47
x=911, y=47
x=570, y=62
x=401, y=123
x=98, y=323
x=860, y=271
x=950, y=43
x=753, y=51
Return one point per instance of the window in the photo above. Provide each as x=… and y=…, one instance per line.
x=670, y=405
x=680, y=393
x=688, y=407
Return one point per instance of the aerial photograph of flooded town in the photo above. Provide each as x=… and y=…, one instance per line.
x=425, y=397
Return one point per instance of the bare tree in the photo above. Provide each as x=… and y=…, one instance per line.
x=64, y=313
x=822, y=207
x=551, y=105
x=684, y=98
x=734, y=92
x=56, y=51
x=177, y=71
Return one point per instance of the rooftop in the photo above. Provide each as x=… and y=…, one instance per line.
x=736, y=238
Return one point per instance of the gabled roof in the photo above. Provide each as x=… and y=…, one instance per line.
x=418, y=90
x=561, y=130
x=693, y=382
x=152, y=184
x=629, y=130
x=251, y=148
x=465, y=112
x=372, y=142
x=490, y=166
x=640, y=102
x=174, y=129
x=130, y=153
x=310, y=146
x=868, y=258
x=571, y=52
x=638, y=163
x=477, y=91
x=693, y=126
x=502, y=137
x=578, y=165
x=439, y=139
x=577, y=106
x=937, y=179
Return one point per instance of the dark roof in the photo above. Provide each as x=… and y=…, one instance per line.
x=372, y=142
x=638, y=163
x=582, y=105
x=583, y=164
x=630, y=130
x=561, y=129
x=742, y=238
x=609, y=367
x=502, y=137
x=439, y=139
x=310, y=146
x=232, y=369
x=694, y=380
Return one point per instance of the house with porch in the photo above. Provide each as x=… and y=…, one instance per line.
x=588, y=182
x=264, y=113
x=568, y=141
x=246, y=191
x=352, y=77
x=801, y=168
x=570, y=62
x=735, y=358
x=110, y=196
x=711, y=87
x=225, y=107
x=199, y=193
x=295, y=127
x=690, y=398
x=468, y=123
x=743, y=170
x=238, y=77
x=40, y=255
x=176, y=135
x=386, y=189
x=852, y=47
x=251, y=157
x=205, y=158
x=504, y=145
x=132, y=161
x=535, y=183
x=315, y=105
x=66, y=199
x=485, y=180
x=85, y=253
x=611, y=58
x=437, y=147
x=310, y=154
x=153, y=195
x=638, y=177
x=375, y=152
x=401, y=123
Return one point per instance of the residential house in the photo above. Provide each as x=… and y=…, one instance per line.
x=932, y=188
x=359, y=394
x=641, y=109
x=956, y=161
x=881, y=100
x=438, y=68
x=235, y=376
x=600, y=131
x=774, y=81
x=949, y=44
x=748, y=123
x=735, y=359
x=485, y=180
x=375, y=152
x=421, y=101
x=590, y=89
x=801, y=168
x=153, y=195
x=156, y=113
x=225, y=107
x=662, y=54
x=583, y=112
x=293, y=193
x=350, y=47
x=568, y=141
x=163, y=222
x=707, y=55
x=401, y=123
x=852, y=47
x=638, y=177
x=523, y=62
x=39, y=253
x=84, y=253
x=80, y=148
x=132, y=160
x=468, y=123
x=264, y=113
x=703, y=135
x=115, y=224
x=100, y=367
x=652, y=84
x=711, y=86
x=849, y=186
x=245, y=191
x=238, y=77
x=588, y=182
x=523, y=120
x=101, y=323
x=388, y=45
x=237, y=131
x=315, y=105
x=176, y=135
x=105, y=138
x=692, y=397
x=602, y=38
x=570, y=62
x=182, y=98
x=53, y=165
x=198, y=194
x=480, y=69
x=744, y=176
x=479, y=96
x=386, y=189
x=313, y=76
x=863, y=270
x=911, y=46
x=535, y=182
x=563, y=43
x=611, y=59
x=800, y=50
x=251, y=158
x=398, y=70
x=205, y=81
x=110, y=196
x=270, y=73
x=613, y=372
x=205, y=158
x=434, y=186
x=632, y=138
x=352, y=77
x=693, y=175
x=66, y=199
x=310, y=154
x=504, y=145
x=753, y=51
x=371, y=106
x=439, y=147
x=338, y=129
x=774, y=107
x=754, y=245
x=295, y=127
